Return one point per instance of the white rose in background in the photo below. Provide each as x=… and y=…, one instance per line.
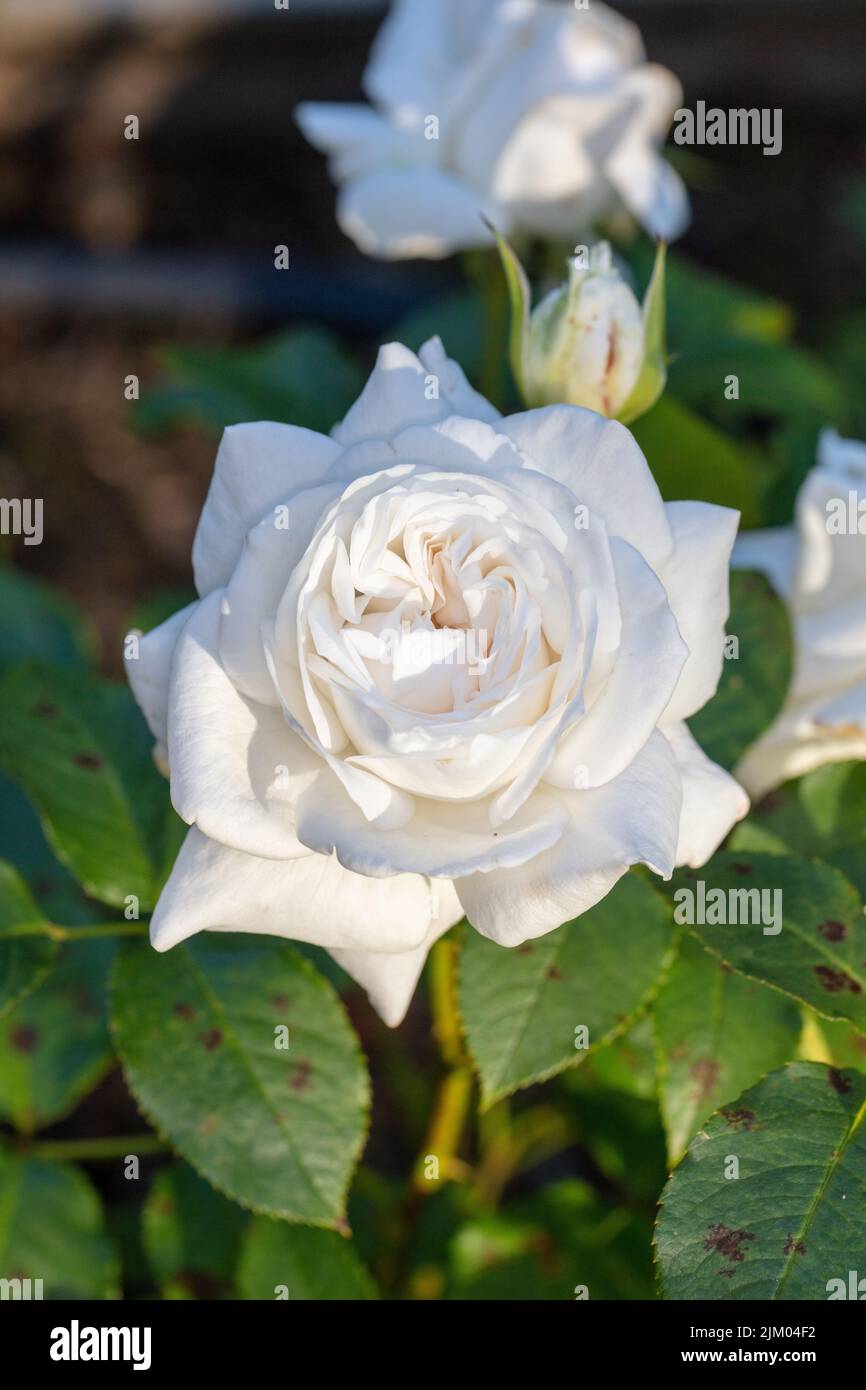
x=544, y=117
x=818, y=566
x=348, y=781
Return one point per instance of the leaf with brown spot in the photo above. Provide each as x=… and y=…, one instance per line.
x=818, y=967
x=521, y=1010
x=716, y=1034
x=794, y=1218
x=219, y=1090
x=89, y=772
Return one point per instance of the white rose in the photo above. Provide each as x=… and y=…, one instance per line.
x=352, y=782
x=818, y=566
x=544, y=117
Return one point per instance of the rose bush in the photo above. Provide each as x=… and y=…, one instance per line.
x=544, y=117
x=440, y=664
x=818, y=566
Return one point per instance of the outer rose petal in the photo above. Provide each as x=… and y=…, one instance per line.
x=356, y=136
x=696, y=578
x=225, y=752
x=397, y=395
x=632, y=820
x=412, y=57
x=601, y=463
x=253, y=593
x=460, y=397
x=819, y=571
x=649, y=187
x=257, y=467
x=626, y=711
x=149, y=672
x=390, y=977
x=313, y=899
x=399, y=213
x=773, y=552
x=802, y=738
x=712, y=801
x=442, y=839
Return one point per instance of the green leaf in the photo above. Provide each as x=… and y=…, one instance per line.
x=842, y=1045
x=457, y=317
x=823, y=813
x=191, y=1235
x=654, y=371
x=519, y=299
x=548, y=1247
x=300, y=1262
x=692, y=459
x=795, y=1218
x=819, y=956
x=755, y=681
x=702, y=304
x=302, y=377
x=522, y=1007
x=774, y=379
x=54, y=1046
x=716, y=1034
x=627, y=1063
x=621, y=1132
x=82, y=752
x=24, y=960
x=39, y=623
x=52, y=1228
x=278, y=1130
x=54, y=889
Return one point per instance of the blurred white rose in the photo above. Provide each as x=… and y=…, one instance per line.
x=440, y=664
x=818, y=566
x=544, y=117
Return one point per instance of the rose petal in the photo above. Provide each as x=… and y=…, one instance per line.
x=600, y=462
x=646, y=669
x=404, y=212
x=773, y=552
x=225, y=753
x=257, y=467
x=312, y=899
x=148, y=672
x=632, y=820
x=712, y=801
x=442, y=840
x=696, y=578
x=389, y=978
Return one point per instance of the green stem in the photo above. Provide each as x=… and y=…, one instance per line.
x=87, y=1150
x=448, y=1119
x=86, y=933
x=484, y=271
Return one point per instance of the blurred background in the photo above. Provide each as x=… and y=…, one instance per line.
x=154, y=259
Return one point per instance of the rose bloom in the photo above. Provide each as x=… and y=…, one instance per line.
x=440, y=665
x=544, y=117
x=818, y=566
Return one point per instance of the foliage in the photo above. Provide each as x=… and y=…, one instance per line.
x=575, y=1069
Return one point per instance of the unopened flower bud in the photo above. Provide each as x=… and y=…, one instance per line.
x=586, y=339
